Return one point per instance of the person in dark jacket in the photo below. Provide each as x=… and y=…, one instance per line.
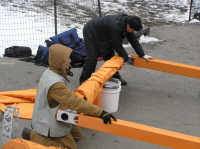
x=104, y=35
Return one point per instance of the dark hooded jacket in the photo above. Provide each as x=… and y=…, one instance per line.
x=109, y=31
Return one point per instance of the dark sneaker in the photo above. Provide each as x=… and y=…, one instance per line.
x=26, y=133
x=118, y=76
x=123, y=82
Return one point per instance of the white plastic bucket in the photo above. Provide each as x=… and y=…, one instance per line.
x=110, y=96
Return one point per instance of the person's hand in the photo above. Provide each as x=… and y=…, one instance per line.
x=107, y=117
x=147, y=57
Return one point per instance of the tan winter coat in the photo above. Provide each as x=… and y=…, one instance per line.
x=59, y=62
x=59, y=94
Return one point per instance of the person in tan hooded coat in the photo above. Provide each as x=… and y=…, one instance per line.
x=53, y=94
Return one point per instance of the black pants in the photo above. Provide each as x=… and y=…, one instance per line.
x=93, y=52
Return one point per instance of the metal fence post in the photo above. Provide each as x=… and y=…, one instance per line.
x=55, y=17
x=99, y=7
x=191, y=2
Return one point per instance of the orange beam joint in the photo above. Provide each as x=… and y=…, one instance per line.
x=141, y=132
x=168, y=66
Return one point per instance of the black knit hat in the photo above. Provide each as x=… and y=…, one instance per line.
x=134, y=22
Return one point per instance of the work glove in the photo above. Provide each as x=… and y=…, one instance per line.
x=147, y=57
x=107, y=117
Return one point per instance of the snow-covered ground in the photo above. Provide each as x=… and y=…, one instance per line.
x=26, y=29
x=194, y=21
x=19, y=28
x=150, y=10
x=29, y=23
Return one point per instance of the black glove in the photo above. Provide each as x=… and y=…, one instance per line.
x=107, y=117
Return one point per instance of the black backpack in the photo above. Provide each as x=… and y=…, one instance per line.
x=18, y=52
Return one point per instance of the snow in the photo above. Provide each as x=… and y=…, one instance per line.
x=177, y=16
x=182, y=2
x=144, y=39
x=15, y=23
x=194, y=21
x=12, y=25
x=148, y=39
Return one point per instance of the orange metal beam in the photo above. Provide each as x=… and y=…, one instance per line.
x=141, y=132
x=168, y=66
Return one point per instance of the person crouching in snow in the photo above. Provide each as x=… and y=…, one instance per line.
x=53, y=94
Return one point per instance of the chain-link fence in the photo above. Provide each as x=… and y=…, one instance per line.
x=194, y=9
x=30, y=22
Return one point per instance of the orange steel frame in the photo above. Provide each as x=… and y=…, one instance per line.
x=168, y=66
x=146, y=133
x=141, y=132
